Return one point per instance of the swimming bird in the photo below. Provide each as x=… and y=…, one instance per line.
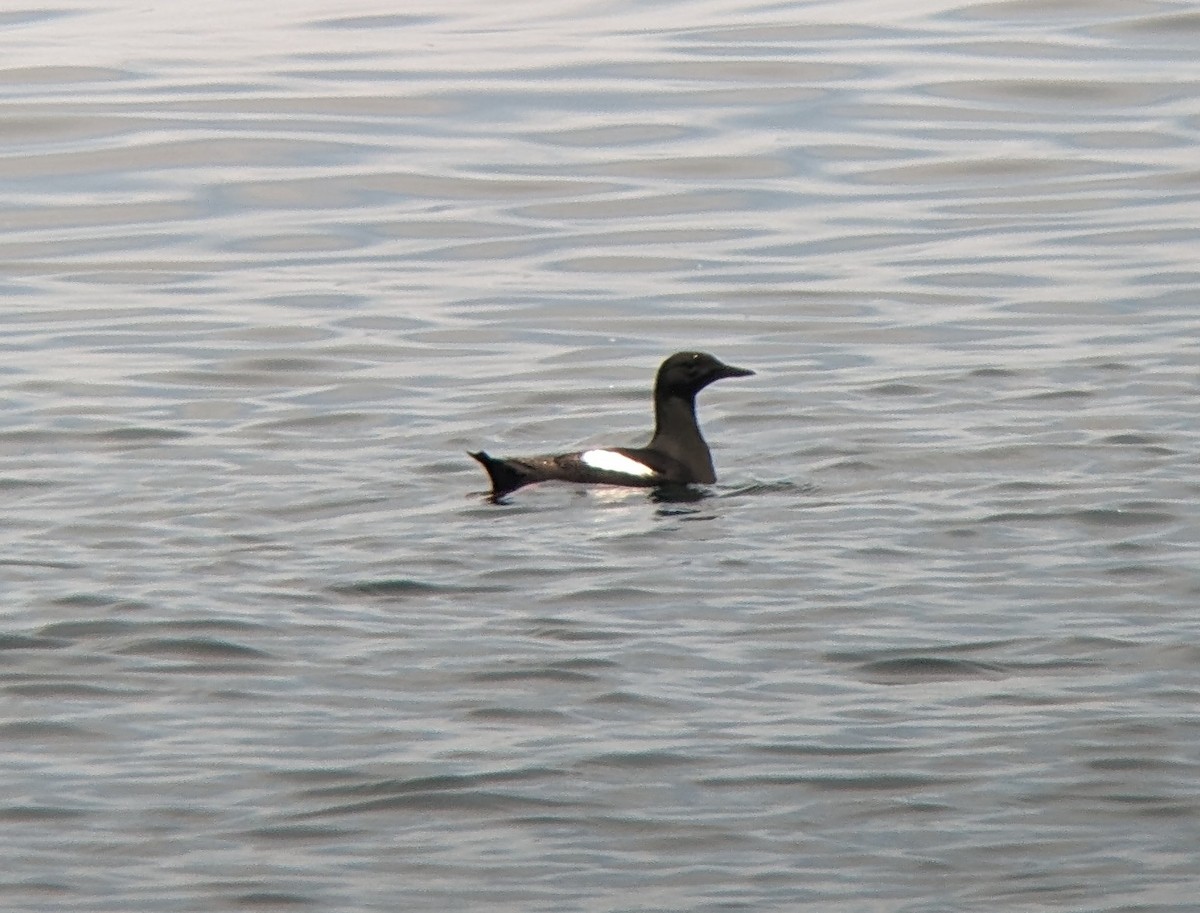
x=676, y=454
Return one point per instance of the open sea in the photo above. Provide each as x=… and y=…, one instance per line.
x=930, y=645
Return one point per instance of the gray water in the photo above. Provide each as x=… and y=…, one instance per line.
x=930, y=644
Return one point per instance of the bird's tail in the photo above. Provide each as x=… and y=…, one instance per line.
x=505, y=479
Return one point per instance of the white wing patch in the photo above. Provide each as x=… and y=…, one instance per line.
x=610, y=461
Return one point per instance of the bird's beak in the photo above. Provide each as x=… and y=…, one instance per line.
x=731, y=371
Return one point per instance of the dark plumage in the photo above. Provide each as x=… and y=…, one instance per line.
x=676, y=454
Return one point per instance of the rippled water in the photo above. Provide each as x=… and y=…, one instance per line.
x=931, y=644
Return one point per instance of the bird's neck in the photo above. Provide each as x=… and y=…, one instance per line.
x=677, y=434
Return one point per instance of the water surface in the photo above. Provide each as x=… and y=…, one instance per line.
x=929, y=645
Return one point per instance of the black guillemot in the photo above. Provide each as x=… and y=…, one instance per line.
x=676, y=455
